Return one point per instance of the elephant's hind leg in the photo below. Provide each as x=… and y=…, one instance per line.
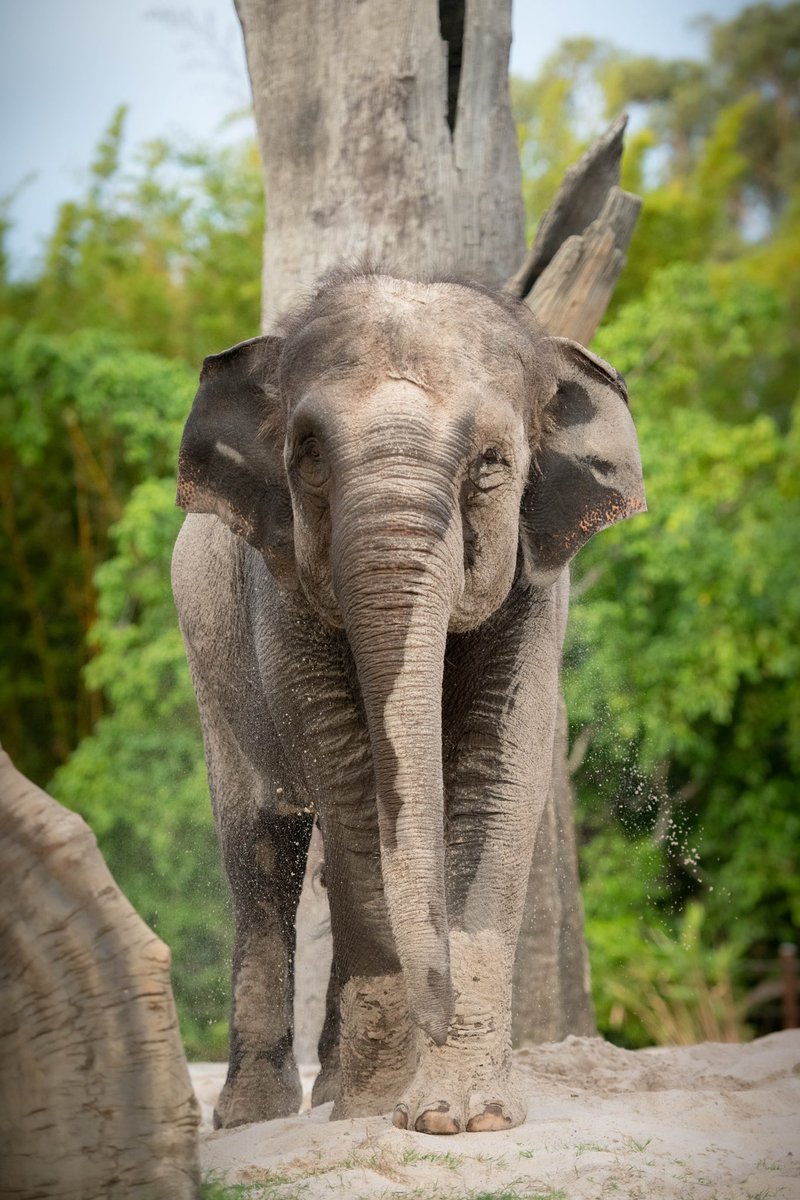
x=265, y=866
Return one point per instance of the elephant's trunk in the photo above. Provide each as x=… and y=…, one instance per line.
x=398, y=570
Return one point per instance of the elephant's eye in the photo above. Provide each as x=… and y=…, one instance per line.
x=311, y=463
x=489, y=470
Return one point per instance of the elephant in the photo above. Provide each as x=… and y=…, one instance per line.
x=384, y=497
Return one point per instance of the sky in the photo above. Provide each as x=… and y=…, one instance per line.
x=65, y=66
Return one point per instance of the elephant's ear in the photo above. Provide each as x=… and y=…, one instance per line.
x=587, y=473
x=231, y=456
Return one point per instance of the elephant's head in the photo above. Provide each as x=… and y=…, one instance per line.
x=401, y=455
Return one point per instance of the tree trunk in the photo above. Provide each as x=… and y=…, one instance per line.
x=552, y=986
x=95, y=1096
x=386, y=136
x=360, y=163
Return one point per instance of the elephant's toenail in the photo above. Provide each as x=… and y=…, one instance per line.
x=437, y=1120
x=492, y=1119
x=400, y=1118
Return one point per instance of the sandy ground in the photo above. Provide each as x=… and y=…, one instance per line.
x=707, y=1122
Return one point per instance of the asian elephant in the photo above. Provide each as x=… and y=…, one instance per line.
x=373, y=616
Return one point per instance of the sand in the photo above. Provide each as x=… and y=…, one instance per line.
x=706, y=1122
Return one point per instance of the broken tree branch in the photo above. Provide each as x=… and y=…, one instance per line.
x=572, y=294
x=578, y=202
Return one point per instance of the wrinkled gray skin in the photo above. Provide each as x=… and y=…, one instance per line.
x=374, y=629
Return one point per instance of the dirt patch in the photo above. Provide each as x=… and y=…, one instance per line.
x=706, y=1122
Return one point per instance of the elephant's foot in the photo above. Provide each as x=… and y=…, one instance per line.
x=441, y=1100
x=378, y=1046
x=468, y=1084
x=258, y=1091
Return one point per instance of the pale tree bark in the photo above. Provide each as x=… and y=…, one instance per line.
x=351, y=105
x=95, y=1096
x=386, y=136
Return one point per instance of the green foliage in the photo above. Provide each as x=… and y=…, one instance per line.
x=75, y=439
x=89, y=433
x=656, y=979
x=713, y=145
x=167, y=255
x=161, y=262
x=683, y=662
x=548, y=141
x=684, y=651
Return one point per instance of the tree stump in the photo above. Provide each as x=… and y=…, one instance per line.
x=95, y=1096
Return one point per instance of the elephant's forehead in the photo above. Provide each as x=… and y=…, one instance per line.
x=442, y=337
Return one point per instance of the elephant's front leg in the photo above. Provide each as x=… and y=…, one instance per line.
x=501, y=685
x=377, y=1042
x=468, y=1083
x=367, y=1010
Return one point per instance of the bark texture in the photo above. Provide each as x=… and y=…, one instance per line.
x=351, y=104
x=572, y=294
x=578, y=202
x=552, y=985
x=95, y=1096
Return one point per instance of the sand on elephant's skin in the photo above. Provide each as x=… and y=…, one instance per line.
x=706, y=1122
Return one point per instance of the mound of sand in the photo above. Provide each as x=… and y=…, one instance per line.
x=706, y=1122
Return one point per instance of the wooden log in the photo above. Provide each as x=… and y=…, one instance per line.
x=579, y=200
x=572, y=294
x=95, y=1096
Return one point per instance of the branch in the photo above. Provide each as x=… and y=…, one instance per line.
x=571, y=296
x=578, y=202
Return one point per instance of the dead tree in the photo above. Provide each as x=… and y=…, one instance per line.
x=95, y=1096
x=386, y=135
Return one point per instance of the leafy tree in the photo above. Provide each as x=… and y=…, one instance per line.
x=82, y=421
x=89, y=433
x=167, y=256
x=551, y=111
x=714, y=146
x=683, y=673
x=162, y=261
x=90, y=418
x=683, y=646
